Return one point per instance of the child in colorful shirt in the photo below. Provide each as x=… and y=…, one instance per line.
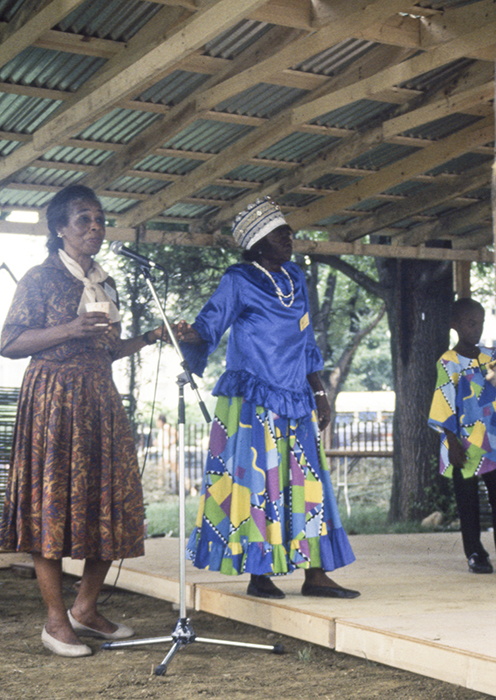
x=464, y=412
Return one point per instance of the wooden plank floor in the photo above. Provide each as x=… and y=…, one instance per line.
x=420, y=610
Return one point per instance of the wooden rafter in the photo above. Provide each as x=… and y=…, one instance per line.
x=281, y=43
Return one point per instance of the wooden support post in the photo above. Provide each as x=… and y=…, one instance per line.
x=461, y=278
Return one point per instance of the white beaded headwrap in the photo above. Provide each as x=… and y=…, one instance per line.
x=256, y=221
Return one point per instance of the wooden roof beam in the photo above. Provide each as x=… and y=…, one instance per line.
x=254, y=143
x=31, y=21
x=309, y=109
x=397, y=74
x=430, y=157
x=200, y=103
x=351, y=18
x=447, y=189
x=298, y=14
x=306, y=247
x=184, y=113
x=150, y=53
x=446, y=226
x=358, y=142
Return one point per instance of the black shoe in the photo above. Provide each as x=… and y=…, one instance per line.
x=478, y=564
x=263, y=587
x=328, y=592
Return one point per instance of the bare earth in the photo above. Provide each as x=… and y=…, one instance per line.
x=29, y=672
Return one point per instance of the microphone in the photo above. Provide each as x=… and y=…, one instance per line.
x=118, y=248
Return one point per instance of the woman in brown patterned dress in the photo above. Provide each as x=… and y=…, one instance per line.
x=74, y=487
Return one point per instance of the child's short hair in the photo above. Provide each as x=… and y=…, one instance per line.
x=462, y=306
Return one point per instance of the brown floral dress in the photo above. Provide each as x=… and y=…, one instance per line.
x=74, y=487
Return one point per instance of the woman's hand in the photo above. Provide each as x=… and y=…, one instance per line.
x=89, y=325
x=93, y=323
x=185, y=333
x=182, y=332
x=323, y=411
x=159, y=333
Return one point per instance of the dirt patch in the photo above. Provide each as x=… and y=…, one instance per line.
x=29, y=672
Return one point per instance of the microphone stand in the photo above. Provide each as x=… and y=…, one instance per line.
x=183, y=633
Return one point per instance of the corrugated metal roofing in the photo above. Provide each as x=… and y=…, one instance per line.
x=23, y=114
x=206, y=136
x=47, y=176
x=441, y=128
x=336, y=58
x=382, y=155
x=222, y=192
x=297, y=199
x=441, y=209
x=356, y=114
x=410, y=188
x=9, y=196
x=54, y=70
x=442, y=4
x=8, y=147
x=174, y=87
x=139, y=185
x=71, y=154
x=298, y=146
x=461, y=164
x=190, y=211
x=334, y=182
x=370, y=204
x=336, y=220
x=8, y=8
x=119, y=126
x=438, y=76
x=167, y=164
x=261, y=100
x=119, y=20
x=236, y=39
x=480, y=193
x=254, y=173
x=113, y=19
x=116, y=205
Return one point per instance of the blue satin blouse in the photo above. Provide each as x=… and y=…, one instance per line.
x=271, y=348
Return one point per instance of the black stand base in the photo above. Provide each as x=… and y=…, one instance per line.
x=183, y=635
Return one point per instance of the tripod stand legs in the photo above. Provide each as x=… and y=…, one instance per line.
x=183, y=635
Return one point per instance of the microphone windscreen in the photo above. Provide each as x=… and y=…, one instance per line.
x=116, y=247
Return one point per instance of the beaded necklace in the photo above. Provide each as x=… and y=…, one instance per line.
x=280, y=294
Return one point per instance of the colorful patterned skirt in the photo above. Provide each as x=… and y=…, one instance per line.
x=267, y=503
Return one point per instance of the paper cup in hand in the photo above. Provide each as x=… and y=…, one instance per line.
x=101, y=306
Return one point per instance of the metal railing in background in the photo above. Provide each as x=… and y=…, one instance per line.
x=352, y=441
x=8, y=409
x=348, y=441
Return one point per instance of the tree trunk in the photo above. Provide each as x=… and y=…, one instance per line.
x=418, y=297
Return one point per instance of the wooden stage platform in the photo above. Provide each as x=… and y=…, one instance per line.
x=420, y=609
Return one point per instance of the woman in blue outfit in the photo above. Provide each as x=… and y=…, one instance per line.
x=267, y=504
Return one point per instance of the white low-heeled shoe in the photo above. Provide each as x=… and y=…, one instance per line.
x=63, y=649
x=122, y=631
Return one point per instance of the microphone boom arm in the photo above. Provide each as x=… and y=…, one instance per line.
x=184, y=363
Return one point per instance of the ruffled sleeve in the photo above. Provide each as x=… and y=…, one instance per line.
x=214, y=319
